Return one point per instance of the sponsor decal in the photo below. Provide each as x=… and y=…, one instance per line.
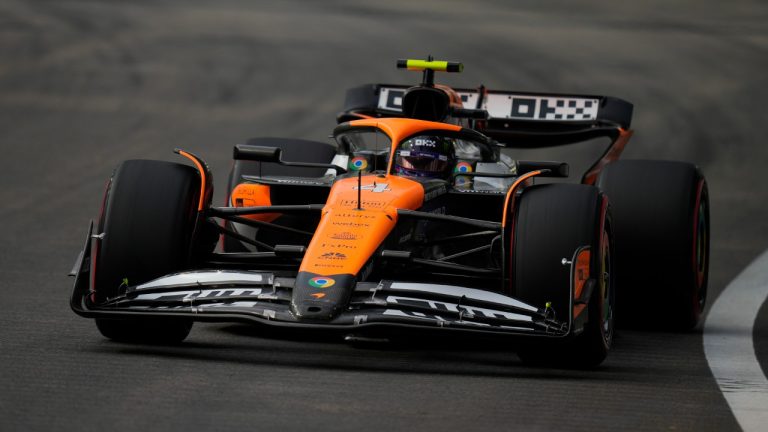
x=463, y=167
x=513, y=106
x=434, y=193
x=463, y=181
x=357, y=215
x=189, y=295
x=318, y=295
x=391, y=99
x=479, y=191
x=350, y=224
x=469, y=100
x=297, y=181
x=327, y=266
x=467, y=312
x=375, y=187
x=333, y=256
x=364, y=203
x=358, y=163
x=322, y=282
x=542, y=107
x=425, y=142
x=343, y=235
x=338, y=246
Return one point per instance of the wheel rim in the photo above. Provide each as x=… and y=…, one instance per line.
x=700, y=251
x=606, y=291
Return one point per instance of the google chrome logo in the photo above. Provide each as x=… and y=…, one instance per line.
x=358, y=163
x=321, y=282
x=463, y=167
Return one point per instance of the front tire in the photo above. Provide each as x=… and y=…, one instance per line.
x=147, y=224
x=553, y=222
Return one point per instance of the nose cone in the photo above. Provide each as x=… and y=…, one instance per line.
x=320, y=298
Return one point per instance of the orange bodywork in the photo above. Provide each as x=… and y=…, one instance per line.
x=509, y=199
x=453, y=97
x=346, y=236
x=580, y=277
x=524, y=180
x=253, y=195
x=581, y=273
x=201, y=170
x=612, y=154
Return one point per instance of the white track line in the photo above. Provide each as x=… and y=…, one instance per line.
x=729, y=348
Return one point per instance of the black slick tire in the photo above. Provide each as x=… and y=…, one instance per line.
x=147, y=224
x=552, y=222
x=661, y=213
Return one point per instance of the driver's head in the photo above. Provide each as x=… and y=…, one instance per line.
x=425, y=156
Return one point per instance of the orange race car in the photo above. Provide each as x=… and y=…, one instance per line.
x=412, y=220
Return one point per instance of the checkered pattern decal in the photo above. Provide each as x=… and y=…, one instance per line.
x=524, y=107
x=569, y=109
x=512, y=106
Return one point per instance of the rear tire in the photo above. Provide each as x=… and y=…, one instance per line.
x=661, y=211
x=552, y=222
x=147, y=222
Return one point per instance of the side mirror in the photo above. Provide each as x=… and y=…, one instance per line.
x=274, y=155
x=257, y=153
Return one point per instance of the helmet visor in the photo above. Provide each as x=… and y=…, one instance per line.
x=424, y=162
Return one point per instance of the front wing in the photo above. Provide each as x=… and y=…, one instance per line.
x=264, y=298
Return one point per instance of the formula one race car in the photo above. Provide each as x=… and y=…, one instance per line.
x=413, y=220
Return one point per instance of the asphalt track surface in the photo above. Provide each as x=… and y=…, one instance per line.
x=86, y=84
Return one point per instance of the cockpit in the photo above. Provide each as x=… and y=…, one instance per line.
x=452, y=156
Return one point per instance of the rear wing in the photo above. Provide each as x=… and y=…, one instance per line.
x=516, y=119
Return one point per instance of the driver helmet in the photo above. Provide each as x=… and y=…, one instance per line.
x=426, y=156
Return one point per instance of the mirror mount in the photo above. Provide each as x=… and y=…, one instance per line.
x=275, y=155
